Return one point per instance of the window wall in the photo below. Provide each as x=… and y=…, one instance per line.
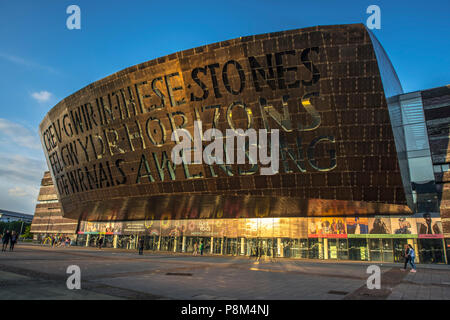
x=377, y=238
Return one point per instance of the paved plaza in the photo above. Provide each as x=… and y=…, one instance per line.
x=39, y=272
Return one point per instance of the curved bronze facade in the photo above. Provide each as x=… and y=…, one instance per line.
x=108, y=145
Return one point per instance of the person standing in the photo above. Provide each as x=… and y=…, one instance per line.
x=406, y=256
x=141, y=246
x=13, y=241
x=202, y=246
x=5, y=239
x=412, y=256
x=259, y=251
x=195, y=249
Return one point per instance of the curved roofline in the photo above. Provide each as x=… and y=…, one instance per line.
x=187, y=53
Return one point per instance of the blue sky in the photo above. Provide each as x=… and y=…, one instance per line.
x=41, y=61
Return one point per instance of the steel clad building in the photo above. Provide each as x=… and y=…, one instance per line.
x=362, y=167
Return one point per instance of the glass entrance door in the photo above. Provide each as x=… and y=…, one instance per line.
x=399, y=249
x=262, y=247
x=332, y=249
x=375, y=249
x=342, y=249
x=151, y=242
x=298, y=248
x=231, y=246
x=388, y=250
x=290, y=248
x=431, y=251
x=218, y=245
x=315, y=248
x=93, y=239
x=358, y=249
x=381, y=250
x=252, y=247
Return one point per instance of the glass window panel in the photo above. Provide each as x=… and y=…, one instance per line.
x=421, y=169
x=416, y=136
x=418, y=153
x=395, y=114
x=412, y=110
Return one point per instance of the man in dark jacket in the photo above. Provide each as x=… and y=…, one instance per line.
x=406, y=256
x=141, y=245
x=12, y=241
x=202, y=247
x=5, y=239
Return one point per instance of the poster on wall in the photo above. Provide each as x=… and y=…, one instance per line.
x=403, y=227
x=357, y=226
x=199, y=227
x=232, y=228
x=428, y=227
x=294, y=228
x=301, y=230
x=327, y=227
x=174, y=228
x=134, y=227
x=380, y=226
x=153, y=227
x=219, y=228
x=315, y=228
x=101, y=227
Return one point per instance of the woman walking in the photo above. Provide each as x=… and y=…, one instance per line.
x=412, y=256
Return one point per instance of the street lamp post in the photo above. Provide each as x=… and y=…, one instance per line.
x=20, y=229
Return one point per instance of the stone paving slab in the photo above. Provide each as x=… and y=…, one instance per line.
x=35, y=272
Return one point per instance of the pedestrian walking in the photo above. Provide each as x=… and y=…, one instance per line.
x=12, y=241
x=195, y=249
x=5, y=239
x=141, y=246
x=259, y=251
x=412, y=256
x=406, y=256
x=202, y=246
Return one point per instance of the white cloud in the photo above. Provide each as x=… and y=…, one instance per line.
x=26, y=63
x=17, y=192
x=11, y=132
x=42, y=96
x=20, y=178
x=21, y=169
x=22, y=165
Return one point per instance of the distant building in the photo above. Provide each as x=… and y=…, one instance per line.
x=10, y=216
x=48, y=217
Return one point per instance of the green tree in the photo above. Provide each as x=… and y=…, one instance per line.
x=27, y=234
x=13, y=226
